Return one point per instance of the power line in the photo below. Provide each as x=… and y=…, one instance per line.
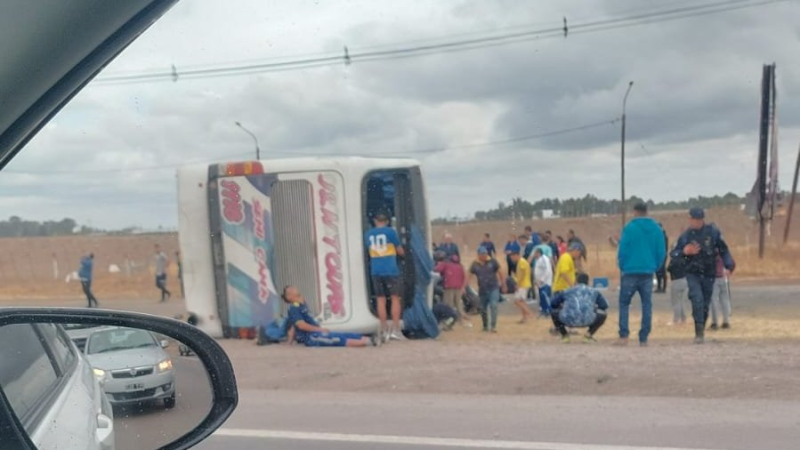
x=443, y=47
x=300, y=153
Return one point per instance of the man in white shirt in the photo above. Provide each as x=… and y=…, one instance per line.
x=543, y=277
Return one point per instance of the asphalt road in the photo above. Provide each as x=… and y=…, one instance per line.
x=150, y=426
x=315, y=420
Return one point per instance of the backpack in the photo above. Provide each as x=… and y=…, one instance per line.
x=273, y=333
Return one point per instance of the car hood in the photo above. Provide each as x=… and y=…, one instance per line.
x=50, y=49
x=126, y=359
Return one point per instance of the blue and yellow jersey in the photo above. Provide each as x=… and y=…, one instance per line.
x=382, y=243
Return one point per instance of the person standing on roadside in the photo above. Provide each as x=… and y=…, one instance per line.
x=699, y=247
x=162, y=262
x=86, y=274
x=454, y=281
x=489, y=245
x=565, y=269
x=543, y=279
x=677, y=290
x=383, y=245
x=720, y=299
x=640, y=254
x=661, y=273
x=511, y=246
x=490, y=282
x=449, y=247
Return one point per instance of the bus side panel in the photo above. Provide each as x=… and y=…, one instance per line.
x=243, y=251
x=193, y=239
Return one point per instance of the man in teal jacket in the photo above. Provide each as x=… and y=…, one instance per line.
x=641, y=252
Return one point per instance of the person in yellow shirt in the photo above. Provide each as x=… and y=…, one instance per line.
x=522, y=277
x=565, y=269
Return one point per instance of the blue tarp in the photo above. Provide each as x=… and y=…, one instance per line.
x=419, y=321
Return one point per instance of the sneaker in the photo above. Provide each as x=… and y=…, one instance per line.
x=385, y=336
x=394, y=336
x=699, y=340
x=589, y=339
x=376, y=339
x=713, y=327
x=726, y=326
x=565, y=340
x=622, y=342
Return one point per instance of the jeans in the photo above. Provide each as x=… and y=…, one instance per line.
x=701, y=288
x=720, y=301
x=677, y=293
x=630, y=285
x=599, y=320
x=489, y=301
x=87, y=289
x=545, y=293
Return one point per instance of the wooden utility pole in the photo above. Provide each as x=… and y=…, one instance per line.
x=622, y=154
x=763, y=147
x=791, y=199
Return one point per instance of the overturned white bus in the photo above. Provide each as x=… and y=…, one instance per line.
x=248, y=229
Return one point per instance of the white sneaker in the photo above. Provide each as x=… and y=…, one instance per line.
x=395, y=336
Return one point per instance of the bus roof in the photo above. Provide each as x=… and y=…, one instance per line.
x=319, y=163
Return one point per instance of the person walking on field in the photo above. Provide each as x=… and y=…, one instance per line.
x=384, y=247
x=697, y=249
x=523, y=279
x=720, y=299
x=85, y=274
x=641, y=252
x=162, y=262
x=488, y=245
x=543, y=278
x=454, y=281
x=490, y=283
x=511, y=246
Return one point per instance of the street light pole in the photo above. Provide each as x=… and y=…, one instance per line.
x=622, y=152
x=255, y=140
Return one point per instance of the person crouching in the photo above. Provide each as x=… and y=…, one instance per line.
x=577, y=307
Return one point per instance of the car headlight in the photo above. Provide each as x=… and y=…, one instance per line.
x=99, y=373
x=165, y=365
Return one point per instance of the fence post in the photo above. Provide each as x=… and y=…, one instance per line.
x=55, y=267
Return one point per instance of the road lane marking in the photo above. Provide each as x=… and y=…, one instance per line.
x=423, y=441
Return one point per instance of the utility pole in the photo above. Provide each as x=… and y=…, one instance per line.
x=763, y=147
x=255, y=140
x=791, y=200
x=622, y=154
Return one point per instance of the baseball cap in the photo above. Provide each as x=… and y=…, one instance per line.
x=482, y=250
x=697, y=213
x=640, y=207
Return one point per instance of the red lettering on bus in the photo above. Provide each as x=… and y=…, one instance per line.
x=263, y=275
x=232, y=208
x=333, y=259
x=258, y=220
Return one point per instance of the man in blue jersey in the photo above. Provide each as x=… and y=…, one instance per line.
x=301, y=328
x=384, y=247
x=85, y=273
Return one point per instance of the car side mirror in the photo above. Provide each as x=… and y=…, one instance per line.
x=126, y=389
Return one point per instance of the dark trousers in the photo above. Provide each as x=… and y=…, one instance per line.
x=701, y=290
x=562, y=327
x=511, y=266
x=161, y=283
x=87, y=289
x=661, y=279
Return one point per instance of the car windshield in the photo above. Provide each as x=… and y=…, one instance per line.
x=561, y=224
x=117, y=340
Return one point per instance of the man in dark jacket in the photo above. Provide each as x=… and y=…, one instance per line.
x=661, y=273
x=697, y=250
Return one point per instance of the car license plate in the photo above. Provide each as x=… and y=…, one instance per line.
x=135, y=387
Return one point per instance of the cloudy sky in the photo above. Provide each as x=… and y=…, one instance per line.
x=109, y=158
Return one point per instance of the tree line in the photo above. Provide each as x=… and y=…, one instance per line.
x=589, y=205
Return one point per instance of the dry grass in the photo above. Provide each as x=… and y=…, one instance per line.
x=748, y=328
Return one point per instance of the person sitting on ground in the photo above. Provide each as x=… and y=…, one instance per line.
x=577, y=307
x=303, y=329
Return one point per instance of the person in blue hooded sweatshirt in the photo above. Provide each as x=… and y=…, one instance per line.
x=640, y=254
x=86, y=274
